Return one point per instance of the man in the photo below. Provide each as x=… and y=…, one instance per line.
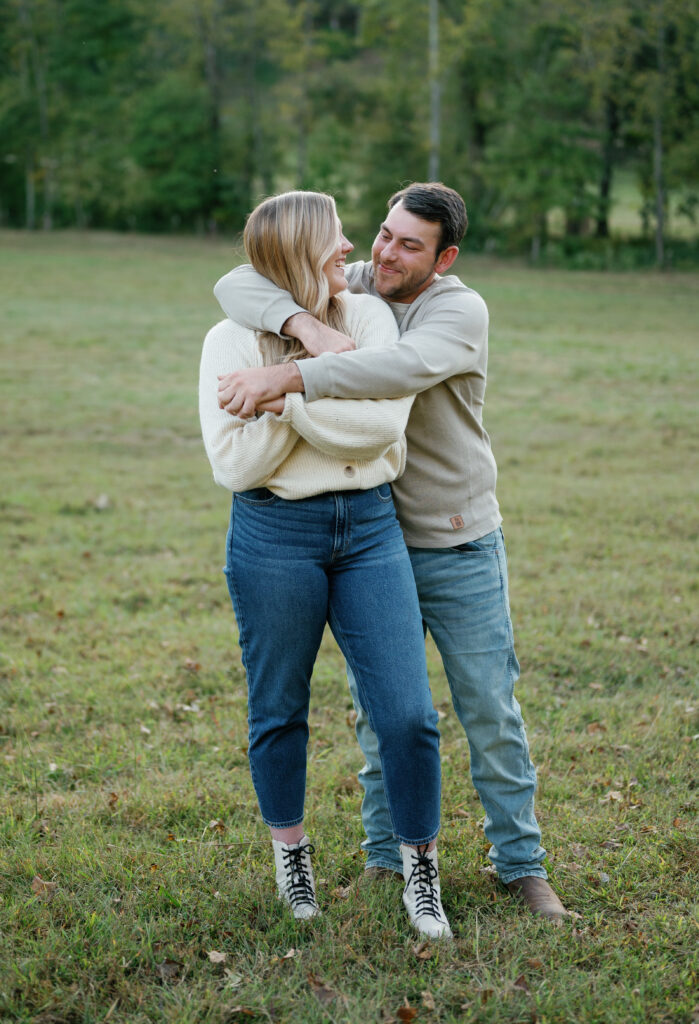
x=445, y=502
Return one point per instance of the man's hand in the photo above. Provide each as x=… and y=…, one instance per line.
x=243, y=392
x=316, y=337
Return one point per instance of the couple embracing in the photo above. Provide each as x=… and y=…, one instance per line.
x=342, y=405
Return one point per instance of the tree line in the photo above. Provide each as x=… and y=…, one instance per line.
x=181, y=114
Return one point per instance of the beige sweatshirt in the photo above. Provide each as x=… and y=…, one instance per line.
x=447, y=494
x=310, y=448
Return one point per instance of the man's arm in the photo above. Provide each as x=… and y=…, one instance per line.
x=255, y=302
x=449, y=340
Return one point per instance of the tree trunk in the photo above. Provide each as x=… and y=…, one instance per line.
x=435, y=91
x=611, y=128
x=658, y=177
x=29, y=195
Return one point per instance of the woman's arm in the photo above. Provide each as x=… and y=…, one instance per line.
x=242, y=453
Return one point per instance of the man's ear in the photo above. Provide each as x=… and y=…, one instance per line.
x=446, y=258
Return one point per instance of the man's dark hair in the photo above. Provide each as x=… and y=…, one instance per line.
x=438, y=204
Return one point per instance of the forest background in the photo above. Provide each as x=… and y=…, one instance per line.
x=570, y=127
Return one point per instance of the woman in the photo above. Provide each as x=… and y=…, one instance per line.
x=314, y=538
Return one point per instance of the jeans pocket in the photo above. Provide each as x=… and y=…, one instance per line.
x=257, y=496
x=384, y=493
x=486, y=545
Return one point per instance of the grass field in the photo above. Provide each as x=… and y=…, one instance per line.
x=130, y=844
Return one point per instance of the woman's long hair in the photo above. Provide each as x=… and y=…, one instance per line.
x=289, y=238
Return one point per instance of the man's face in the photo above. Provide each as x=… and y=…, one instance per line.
x=404, y=255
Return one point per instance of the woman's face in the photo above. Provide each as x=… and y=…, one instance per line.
x=334, y=269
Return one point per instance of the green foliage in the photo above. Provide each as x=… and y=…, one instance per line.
x=184, y=113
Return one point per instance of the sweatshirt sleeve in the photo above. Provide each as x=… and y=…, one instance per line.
x=448, y=340
x=242, y=453
x=254, y=301
x=356, y=428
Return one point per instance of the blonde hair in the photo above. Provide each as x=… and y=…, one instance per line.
x=289, y=238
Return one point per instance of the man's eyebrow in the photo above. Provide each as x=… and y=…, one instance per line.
x=404, y=238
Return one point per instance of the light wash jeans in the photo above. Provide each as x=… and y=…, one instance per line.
x=465, y=606
x=339, y=557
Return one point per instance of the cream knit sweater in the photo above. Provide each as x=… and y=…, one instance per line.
x=329, y=445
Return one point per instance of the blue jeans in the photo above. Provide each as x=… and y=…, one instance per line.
x=464, y=604
x=339, y=558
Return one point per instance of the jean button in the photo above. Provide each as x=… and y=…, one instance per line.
x=350, y=471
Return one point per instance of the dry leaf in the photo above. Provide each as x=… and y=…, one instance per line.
x=233, y=980
x=169, y=970
x=428, y=1001
x=341, y=892
x=406, y=1011
x=422, y=951
x=612, y=795
x=217, y=825
x=320, y=990
x=113, y=800
x=349, y=784
x=44, y=890
x=521, y=984
x=611, y=844
x=535, y=963
x=191, y=665
x=594, y=727
x=215, y=957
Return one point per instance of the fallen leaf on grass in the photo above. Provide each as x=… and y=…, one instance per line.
x=44, y=890
x=233, y=980
x=594, y=727
x=520, y=983
x=535, y=963
x=350, y=784
x=217, y=825
x=191, y=665
x=612, y=795
x=289, y=955
x=169, y=970
x=406, y=1011
x=113, y=800
x=320, y=990
x=422, y=951
x=428, y=1001
x=215, y=957
x=341, y=892
x=611, y=844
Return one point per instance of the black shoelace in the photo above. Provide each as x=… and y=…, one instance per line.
x=300, y=888
x=424, y=872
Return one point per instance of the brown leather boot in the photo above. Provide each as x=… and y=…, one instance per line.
x=539, y=897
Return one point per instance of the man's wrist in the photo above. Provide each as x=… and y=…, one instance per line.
x=302, y=326
x=286, y=378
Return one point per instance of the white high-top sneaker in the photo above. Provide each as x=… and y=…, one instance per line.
x=295, y=877
x=421, y=896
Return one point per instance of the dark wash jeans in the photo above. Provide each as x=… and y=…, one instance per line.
x=339, y=558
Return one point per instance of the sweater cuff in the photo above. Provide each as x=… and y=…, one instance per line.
x=278, y=312
x=311, y=371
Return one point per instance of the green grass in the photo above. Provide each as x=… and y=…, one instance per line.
x=122, y=728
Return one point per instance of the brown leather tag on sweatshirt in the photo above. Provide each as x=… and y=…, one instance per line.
x=457, y=522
